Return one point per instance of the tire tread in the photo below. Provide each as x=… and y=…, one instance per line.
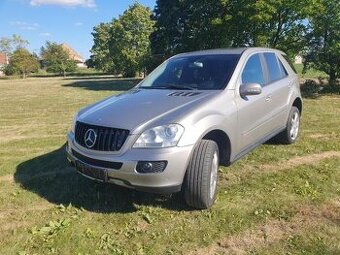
x=196, y=183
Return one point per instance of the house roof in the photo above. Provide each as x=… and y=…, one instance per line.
x=72, y=53
x=3, y=58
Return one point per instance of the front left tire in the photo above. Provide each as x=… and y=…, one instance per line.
x=200, y=183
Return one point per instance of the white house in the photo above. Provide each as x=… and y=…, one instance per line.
x=3, y=62
x=298, y=59
x=75, y=56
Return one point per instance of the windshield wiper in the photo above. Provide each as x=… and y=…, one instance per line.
x=175, y=86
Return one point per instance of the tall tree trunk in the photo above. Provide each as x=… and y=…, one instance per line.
x=332, y=78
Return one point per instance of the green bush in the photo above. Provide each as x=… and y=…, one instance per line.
x=311, y=89
x=332, y=89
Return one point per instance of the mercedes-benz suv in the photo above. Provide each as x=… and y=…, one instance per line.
x=193, y=113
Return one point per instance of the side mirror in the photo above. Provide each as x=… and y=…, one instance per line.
x=250, y=89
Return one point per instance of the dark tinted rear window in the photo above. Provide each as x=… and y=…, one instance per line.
x=274, y=69
x=283, y=69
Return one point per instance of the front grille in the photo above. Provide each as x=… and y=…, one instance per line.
x=97, y=162
x=106, y=139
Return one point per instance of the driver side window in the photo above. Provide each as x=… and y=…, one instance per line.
x=253, y=72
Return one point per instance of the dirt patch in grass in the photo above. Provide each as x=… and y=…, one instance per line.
x=312, y=159
x=10, y=178
x=248, y=170
x=7, y=178
x=37, y=207
x=12, y=137
x=325, y=137
x=10, y=220
x=275, y=230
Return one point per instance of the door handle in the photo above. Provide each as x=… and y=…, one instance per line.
x=268, y=98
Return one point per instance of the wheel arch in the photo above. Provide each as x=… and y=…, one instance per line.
x=298, y=104
x=223, y=142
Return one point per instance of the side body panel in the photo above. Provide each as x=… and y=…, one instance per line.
x=217, y=114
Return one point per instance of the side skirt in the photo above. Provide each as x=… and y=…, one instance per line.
x=255, y=145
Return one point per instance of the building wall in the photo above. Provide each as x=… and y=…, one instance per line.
x=298, y=59
x=1, y=72
x=81, y=65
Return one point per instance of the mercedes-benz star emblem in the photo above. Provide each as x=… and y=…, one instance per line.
x=90, y=138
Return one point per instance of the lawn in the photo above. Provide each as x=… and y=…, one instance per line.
x=310, y=73
x=277, y=200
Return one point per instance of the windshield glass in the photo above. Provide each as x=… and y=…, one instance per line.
x=199, y=72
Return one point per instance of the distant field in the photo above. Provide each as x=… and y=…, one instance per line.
x=277, y=200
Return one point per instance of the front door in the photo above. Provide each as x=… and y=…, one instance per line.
x=253, y=111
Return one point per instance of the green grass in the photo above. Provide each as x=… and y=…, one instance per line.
x=310, y=73
x=47, y=208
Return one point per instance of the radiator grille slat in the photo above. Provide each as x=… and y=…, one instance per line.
x=107, y=139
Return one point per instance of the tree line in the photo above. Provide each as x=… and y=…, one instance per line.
x=141, y=38
x=53, y=57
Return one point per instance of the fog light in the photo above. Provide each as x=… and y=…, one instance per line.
x=151, y=166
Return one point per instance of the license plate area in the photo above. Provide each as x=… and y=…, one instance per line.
x=93, y=172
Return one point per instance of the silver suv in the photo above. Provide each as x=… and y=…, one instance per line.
x=194, y=112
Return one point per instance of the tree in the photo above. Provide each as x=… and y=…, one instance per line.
x=323, y=49
x=202, y=24
x=23, y=62
x=123, y=45
x=101, y=57
x=56, y=59
x=276, y=24
x=9, y=44
x=186, y=26
x=89, y=63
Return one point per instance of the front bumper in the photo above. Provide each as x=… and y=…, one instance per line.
x=121, y=168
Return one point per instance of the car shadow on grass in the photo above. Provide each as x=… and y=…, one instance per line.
x=51, y=177
x=115, y=84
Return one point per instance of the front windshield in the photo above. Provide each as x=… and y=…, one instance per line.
x=199, y=72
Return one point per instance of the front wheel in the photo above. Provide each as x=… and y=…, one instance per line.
x=291, y=133
x=200, y=181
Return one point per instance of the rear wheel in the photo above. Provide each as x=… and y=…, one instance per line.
x=291, y=133
x=200, y=181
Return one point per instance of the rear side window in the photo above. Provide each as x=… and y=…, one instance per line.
x=252, y=72
x=274, y=70
x=283, y=69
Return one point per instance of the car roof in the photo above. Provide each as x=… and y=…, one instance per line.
x=228, y=51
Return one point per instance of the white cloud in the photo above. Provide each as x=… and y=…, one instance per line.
x=25, y=25
x=78, y=24
x=46, y=34
x=69, y=3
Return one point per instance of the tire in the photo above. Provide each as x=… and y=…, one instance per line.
x=291, y=132
x=200, y=182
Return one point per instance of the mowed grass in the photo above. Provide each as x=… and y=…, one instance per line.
x=277, y=200
x=310, y=73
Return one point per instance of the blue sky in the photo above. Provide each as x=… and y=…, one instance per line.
x=62, y=21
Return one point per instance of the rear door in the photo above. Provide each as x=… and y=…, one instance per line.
x=278, y=90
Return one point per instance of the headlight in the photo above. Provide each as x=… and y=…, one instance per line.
x=74, y=122
x=162, y=136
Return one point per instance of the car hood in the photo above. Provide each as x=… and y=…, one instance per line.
x=138, y=107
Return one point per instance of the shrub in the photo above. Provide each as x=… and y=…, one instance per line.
x=311, y=89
